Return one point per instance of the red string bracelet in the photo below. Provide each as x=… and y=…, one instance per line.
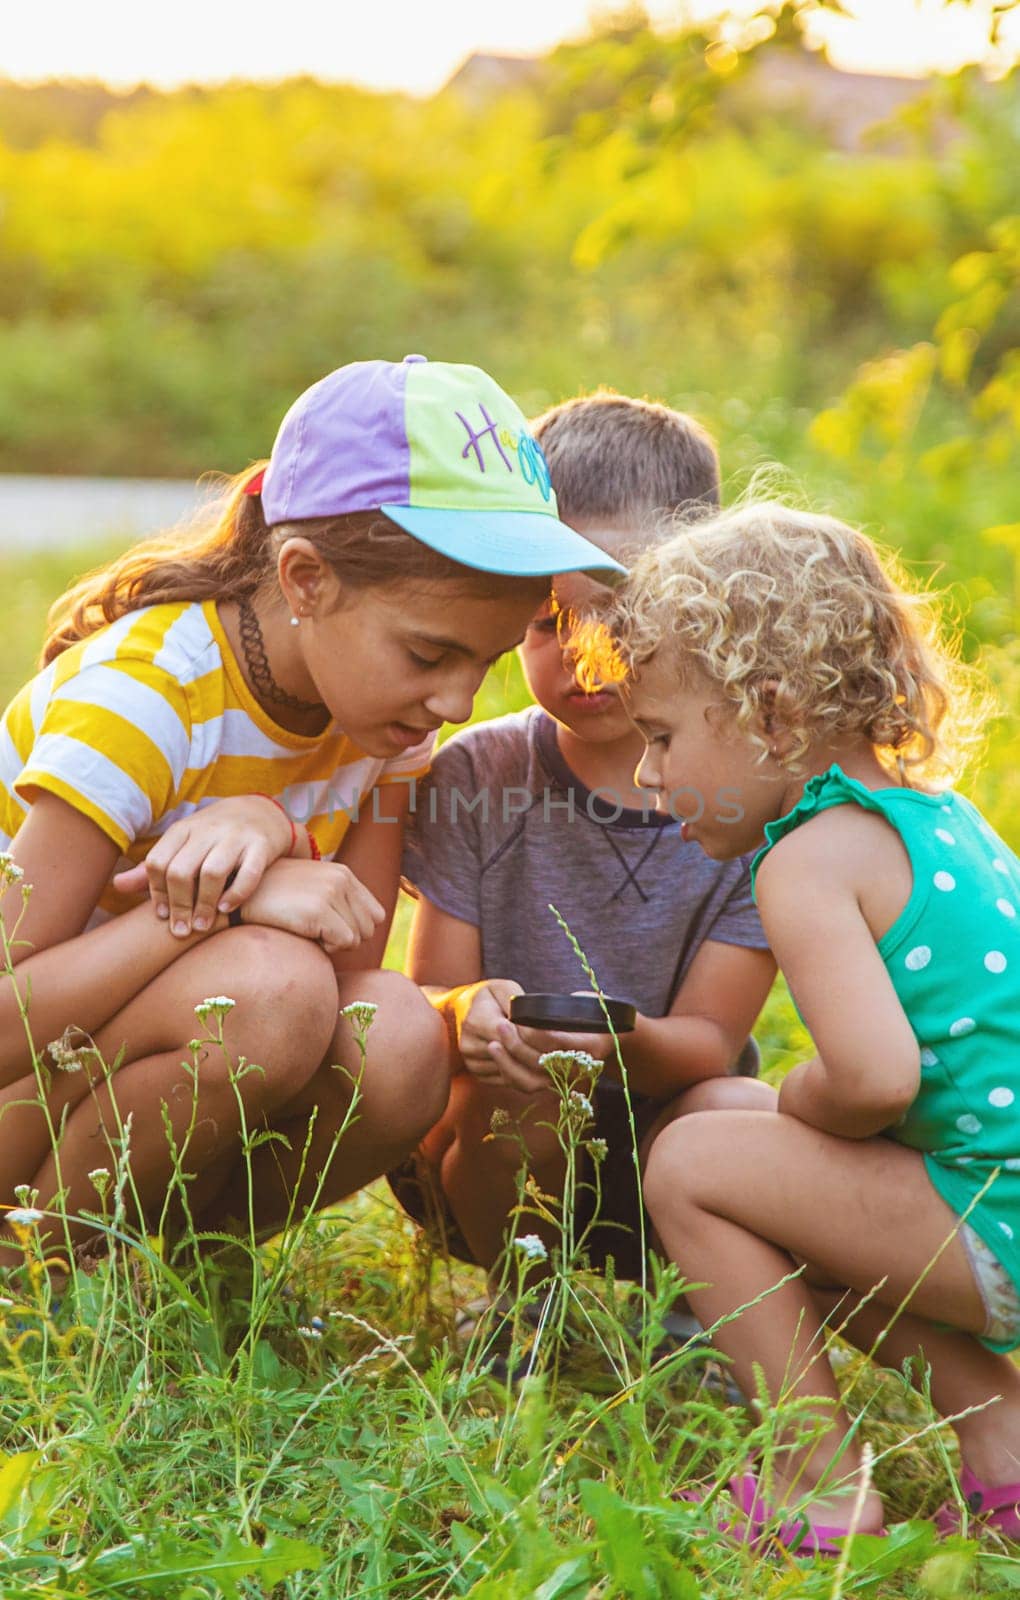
x=259, y=795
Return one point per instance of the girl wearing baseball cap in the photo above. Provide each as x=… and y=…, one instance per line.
x=232, y=719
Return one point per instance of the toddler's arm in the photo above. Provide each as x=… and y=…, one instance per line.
x=867, y=1069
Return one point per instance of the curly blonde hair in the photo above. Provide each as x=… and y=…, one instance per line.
x=800, y=617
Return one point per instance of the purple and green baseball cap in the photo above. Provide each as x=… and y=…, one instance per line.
x=441, y=450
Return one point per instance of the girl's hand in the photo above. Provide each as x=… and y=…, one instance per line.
x=496, y=1051
x=320, y=900
x=186, y=870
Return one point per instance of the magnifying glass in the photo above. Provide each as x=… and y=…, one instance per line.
x=573, y=1013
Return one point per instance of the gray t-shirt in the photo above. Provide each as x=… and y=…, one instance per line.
x=502, y=828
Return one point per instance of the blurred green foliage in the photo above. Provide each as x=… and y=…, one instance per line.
x=175, y=267
x=639, y=209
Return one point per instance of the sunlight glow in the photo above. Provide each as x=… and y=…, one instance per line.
x=400, y=44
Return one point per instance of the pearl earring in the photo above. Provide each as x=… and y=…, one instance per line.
x=295, y=622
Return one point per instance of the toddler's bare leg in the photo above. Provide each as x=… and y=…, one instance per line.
x=736, y=1196
x=960, y=1369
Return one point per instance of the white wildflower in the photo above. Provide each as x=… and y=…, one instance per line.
x=310, y=1333
x=586, y=1062
x=530, y=1245
x=25, y=1216
x=597, y=1149
x=10, y=872
x=216, y=1006
x=99, y=1178
x=361, y=1013
x=581, y=1102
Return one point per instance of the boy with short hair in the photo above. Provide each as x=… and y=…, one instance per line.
x=540, y=807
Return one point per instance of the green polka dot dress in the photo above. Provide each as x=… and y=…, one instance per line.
x=953, y=956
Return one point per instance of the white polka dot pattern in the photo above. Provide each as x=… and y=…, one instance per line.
x=953, y=961
x=961, y=1026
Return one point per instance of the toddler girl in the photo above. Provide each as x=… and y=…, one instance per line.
x=776, y=653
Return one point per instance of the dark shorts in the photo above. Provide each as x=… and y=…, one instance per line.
x=617, y=1232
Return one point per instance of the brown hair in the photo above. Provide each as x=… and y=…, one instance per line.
x=778, y=607
x=229, y=551
x=618, y=460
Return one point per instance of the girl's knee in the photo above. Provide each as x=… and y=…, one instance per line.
x=406, y=1052
x=285, y=994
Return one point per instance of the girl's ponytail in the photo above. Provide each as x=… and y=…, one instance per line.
x=224, y=554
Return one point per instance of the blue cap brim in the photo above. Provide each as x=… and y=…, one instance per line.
x=521, y=544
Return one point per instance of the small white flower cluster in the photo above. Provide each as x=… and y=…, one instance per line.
x=531, y=1246
x=216, y=1006
x=586, y=1062
x=313, y=1329
x=580, y=1102
x=25, y=1216
x=10, y=872
x=597, y=1149
x=361, y=1013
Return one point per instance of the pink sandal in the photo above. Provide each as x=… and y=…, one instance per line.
x=761, y=1526
x=996, y=1508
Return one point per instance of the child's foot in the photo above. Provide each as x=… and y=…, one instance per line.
x=803, y=1523
x=991, y=1507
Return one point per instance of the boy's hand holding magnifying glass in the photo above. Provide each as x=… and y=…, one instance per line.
x=498, y=1047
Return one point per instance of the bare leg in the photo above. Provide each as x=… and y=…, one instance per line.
x=478, y=1174
x=285, y=994
x=736, y=1196
x=961, y=1368
x=402, y=1092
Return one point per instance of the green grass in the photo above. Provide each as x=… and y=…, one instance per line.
x=186, y=1428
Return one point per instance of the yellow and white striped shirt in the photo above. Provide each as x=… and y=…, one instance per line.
x=151, y=718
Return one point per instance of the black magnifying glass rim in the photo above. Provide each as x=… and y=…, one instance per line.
x=573, y=1013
